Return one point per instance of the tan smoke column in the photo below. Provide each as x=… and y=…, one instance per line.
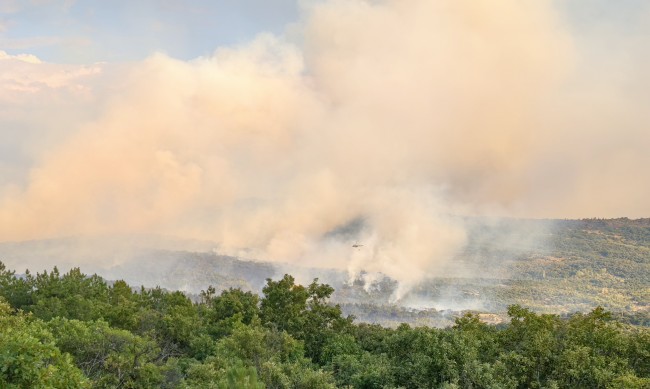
x=399, y=113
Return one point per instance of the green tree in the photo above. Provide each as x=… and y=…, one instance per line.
x=17, y=291
x=73, y=295
x=29, y=357
x=122, y=308
x=278, y=358
x=241, y=378
x=303, y=312
x=222, y=313
x=283, y=304
x=110, y=357
x=596, y=352
x=531, y=346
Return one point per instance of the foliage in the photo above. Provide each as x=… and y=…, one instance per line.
x=73, y=330
x=29, y=357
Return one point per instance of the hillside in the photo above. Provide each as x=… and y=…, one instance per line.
x=559, y=266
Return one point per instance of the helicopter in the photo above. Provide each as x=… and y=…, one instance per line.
x=357, y=245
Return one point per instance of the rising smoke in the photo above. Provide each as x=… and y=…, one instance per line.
x=400, y=114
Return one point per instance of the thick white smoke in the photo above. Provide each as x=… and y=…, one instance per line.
x=398, y=114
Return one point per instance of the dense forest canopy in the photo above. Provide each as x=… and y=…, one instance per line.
x=74, y=330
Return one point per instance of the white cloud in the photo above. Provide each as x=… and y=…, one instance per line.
x=29, y=58
x=26, y=73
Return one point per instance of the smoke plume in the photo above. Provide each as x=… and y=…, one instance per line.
x=392, y=116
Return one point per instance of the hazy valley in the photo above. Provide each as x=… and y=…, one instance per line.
x=550, y=266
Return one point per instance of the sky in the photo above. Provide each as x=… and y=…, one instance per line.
x=275, y=127
x=87, y=31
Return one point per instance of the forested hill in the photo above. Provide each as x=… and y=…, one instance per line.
x=550, y=266
x=76, y=331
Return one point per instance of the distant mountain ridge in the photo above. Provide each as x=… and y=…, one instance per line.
x=548, y=265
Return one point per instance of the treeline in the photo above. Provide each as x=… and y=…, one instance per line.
x=71, y=330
